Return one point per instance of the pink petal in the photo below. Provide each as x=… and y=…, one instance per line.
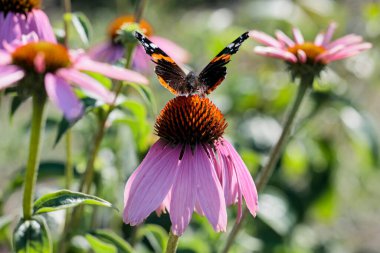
x=150, y=183
x=265, y=39
x=141, y=61
x=301, y=56
x=107, y=52
x=87, y=83
x=85, y=63
x=178, y=54
x=329, y=34
x=319, y=39
x=298, y=38
x=245, y=180
x=346, y=40
x=276, y=53
x=62, y=96
x=5, y=57
x=282, y=37
x=39, y=63
x=349, y=51
x=9, y=75
x=183, y=194
x=209, y=191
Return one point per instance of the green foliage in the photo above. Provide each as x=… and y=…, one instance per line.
x=111, y=238
x=32, y=236
x=64, y=199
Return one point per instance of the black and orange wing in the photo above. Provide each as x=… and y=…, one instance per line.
x=170, y=75
x=215, y=72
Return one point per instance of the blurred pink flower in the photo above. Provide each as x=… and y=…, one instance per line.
x=34, y=62
x=19, y=18
x=190, y=168
x=112, y=51
x=298, y=51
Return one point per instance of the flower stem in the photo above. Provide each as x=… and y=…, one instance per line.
x=36, y=132
x=268, y=169
x=139, y=10
x=172, y=243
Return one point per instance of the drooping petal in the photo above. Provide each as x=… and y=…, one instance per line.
x=329, y=33
x=62, y=96
x=9, y=75
x=301, y=56
x=264, y=38
x=87, y=83
x=85, y=63
x=107, y=52
x=150, y=183
x=282, y=37
x=141, y=60
x=298, y=37
x=245, y=180
x=5, y=58
x=209, y=191
x=346, y=40
x=176, y=52
x=276, y=53
x=183, y=194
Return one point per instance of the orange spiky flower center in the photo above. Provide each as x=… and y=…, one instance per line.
x=190, y=120
x=311, y=50
x=19, y=6
x=53, y=56
x=119, y=22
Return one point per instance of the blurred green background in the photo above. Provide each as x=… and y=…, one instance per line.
x=325, y=193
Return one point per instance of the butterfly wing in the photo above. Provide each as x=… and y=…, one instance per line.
x=170, y=75
x=214, y=73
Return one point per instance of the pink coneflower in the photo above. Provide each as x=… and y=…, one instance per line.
x=19, y=18
x=317, y=54
x=112, y=50
x=41, y=66
x=190, y=168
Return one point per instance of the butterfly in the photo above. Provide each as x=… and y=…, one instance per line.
x=172, y=77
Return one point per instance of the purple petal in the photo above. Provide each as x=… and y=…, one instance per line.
x=141, y=61
x=282, y=37
x=298, y=38
x=346, y=40
x=276, y=53
x=245, y=181
x=9, y=75
x=209, y=191
x=150, y=183
x=329, y=34
x=87, y=83
x=107, y=52
x=265, y=39
x=5, y=57
x=62, y=96
x=85, y=63
x=183, y=194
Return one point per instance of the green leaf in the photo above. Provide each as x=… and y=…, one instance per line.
x=99, y=246
x=15, y=104
x=110, y=237
x=32, y=236
x=156, y=235
x=146, y=94
x=81, y=25
x=65, y=199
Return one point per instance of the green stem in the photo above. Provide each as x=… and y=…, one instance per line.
x=37, y=127
x=69, y=162
x=139, y=10
x=268, y=169
x=66, y=22
x=172, y=243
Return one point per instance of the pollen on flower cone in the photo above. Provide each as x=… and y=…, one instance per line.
x=18, y=6
x=190, y=120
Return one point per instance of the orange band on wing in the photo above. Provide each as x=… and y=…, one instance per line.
x=223, y=57
x=157, y=57
x=166, y=85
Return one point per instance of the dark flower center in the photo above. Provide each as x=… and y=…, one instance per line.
x=53, y=56
x=119, y=22
x=19, y=6
x=311, y=50
x=190, y=120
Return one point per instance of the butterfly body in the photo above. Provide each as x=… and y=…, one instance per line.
x=172, y=77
